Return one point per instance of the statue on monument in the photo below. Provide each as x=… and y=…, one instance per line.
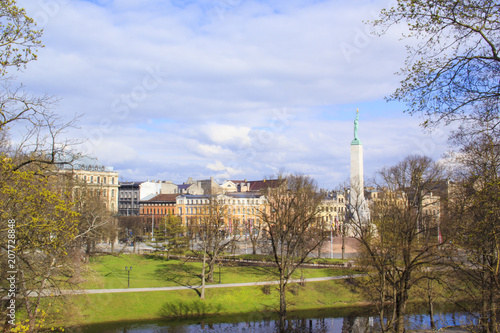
x=356, y=125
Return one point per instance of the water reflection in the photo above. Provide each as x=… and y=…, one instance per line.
x=338, y=321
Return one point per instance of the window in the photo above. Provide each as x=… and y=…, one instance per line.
x=91, y=179
x=104, y=180
x=112, y=180
x=112, y=193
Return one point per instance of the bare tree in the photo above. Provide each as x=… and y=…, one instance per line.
x=210, y=229
x=451, y=73
x=289, y=217
x=402, y=238
x=255, y=233
x=41, y=132
x=475, y=255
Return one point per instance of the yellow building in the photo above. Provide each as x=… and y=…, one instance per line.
x=100, y=180
x=332, y=210
x=241, y=210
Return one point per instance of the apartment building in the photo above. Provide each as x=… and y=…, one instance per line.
x=241, y=210
x=99, y=179
x=332, y=210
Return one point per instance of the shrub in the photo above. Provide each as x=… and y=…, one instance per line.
x=266, y=289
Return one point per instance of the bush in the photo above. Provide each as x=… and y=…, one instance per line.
x=194, y=308
x=294, y=289
x=266, y=289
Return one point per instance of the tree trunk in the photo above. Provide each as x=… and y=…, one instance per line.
x=431, y=304
x=282, y=312
x=211, y=268
x=202, y=294
x=400, y=310
x=343, y=244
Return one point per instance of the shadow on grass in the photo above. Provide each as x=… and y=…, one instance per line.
x=193, y=308
x=181, y=274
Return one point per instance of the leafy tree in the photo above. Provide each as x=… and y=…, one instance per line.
x=402, y=238
x=290, y=218
x=452, y=73
x=19, y=39
x=174, y=234
x=44, y=230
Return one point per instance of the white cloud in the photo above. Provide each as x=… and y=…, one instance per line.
x=240, y=88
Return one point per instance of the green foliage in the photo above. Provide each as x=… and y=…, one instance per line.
x=176, y=234
x=44, y=230
x=18, y=37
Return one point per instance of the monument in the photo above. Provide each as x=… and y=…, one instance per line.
x=358, y=207
x=357, y=183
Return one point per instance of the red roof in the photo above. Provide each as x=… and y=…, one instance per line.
x=257, y=185
x=164, y=198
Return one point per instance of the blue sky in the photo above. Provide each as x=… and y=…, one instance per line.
x=232, y=89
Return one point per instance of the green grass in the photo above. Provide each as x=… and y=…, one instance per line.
x=109, y=273
x=99, y=308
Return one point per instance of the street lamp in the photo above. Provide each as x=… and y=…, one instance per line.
x=128, y=272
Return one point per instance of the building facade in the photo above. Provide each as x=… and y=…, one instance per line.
x=129, y=197
x=99, y=179
x=332, y=210
x=241, y=210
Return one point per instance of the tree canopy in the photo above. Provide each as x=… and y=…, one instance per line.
x=452, y=73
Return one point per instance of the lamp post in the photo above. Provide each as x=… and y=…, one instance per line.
x=128, y=273
x=331, y=240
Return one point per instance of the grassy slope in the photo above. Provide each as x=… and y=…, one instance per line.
x=135, y=306
x=109, y=272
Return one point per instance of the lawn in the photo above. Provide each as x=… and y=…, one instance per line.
x=108, y=272
x=248, y=301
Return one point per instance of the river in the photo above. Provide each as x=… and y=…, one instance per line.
x=321, y=321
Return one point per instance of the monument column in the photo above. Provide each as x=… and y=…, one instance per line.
x=357, y=184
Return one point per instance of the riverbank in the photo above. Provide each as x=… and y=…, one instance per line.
x=246, y=302
x=112, y=294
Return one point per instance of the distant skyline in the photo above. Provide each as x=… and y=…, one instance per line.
x=229, y=89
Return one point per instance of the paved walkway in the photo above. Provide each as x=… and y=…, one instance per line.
x=208, y=286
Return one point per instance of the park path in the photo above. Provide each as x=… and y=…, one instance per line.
x=208, y=286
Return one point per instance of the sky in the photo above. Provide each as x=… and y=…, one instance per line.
x=230, y=89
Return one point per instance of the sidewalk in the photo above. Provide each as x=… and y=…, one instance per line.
x=208, y=286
